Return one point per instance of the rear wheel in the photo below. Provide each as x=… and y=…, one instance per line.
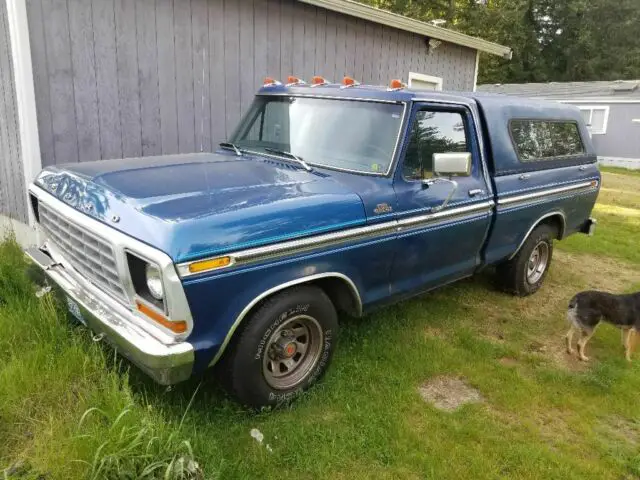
x=284, y=348
x=525, y=273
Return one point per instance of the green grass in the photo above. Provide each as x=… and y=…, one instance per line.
x=69, y=407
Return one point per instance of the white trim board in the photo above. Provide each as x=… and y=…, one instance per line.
x=366, y=12
x=25, y=93
x=475, y=71
x=420, y=77
x=630, y=163
x=590, y=100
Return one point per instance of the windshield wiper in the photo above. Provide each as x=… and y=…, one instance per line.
x=290, y=155
x=231, y=146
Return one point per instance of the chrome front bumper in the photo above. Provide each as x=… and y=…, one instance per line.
x=165, y=363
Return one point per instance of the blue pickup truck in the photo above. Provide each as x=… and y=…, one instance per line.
x=327, y=198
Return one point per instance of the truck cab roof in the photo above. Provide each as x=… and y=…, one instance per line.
x=493, y=113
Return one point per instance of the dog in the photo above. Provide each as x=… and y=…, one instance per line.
x=587, y=309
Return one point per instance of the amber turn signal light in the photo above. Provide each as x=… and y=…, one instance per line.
x=210, y=264
x=176, y=327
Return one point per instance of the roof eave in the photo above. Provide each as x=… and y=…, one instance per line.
x=366, y=12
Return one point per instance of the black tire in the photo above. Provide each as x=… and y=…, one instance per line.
x=247, y=365
x=513, y=275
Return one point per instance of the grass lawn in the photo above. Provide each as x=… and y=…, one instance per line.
x=70, y=409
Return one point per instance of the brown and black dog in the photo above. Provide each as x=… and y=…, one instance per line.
x=587, y=309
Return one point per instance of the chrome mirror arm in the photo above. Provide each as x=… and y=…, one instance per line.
x=431, y=181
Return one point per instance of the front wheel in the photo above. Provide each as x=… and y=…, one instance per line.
x=525, y=273
x=284, y=348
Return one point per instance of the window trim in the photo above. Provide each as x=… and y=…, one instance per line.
x=426, y=78
x=605, y=123
x=459, y=109
x=545, y=159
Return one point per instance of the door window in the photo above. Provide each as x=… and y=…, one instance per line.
x=433, y=132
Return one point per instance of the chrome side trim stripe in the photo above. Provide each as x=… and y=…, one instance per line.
x=302, y=245
x=545, y=193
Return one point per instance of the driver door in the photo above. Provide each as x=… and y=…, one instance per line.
x=439, y=243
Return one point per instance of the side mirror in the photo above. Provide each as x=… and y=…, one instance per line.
x=452, y=163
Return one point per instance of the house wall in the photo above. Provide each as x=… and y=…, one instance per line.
x=623, y=136
x=124, y=78
x=12, y=192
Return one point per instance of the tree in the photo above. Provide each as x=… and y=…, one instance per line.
x=568, y=40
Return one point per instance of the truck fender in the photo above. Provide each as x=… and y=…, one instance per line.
x=556, y=213
x=357, y=299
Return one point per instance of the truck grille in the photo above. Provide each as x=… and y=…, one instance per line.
x=90, y=255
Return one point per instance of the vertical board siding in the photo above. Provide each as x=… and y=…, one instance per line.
x=148, y=80
x=128, y=81
x=12, y=188
x=84, y=78
x=218, y=84
x=184, y=75
x=121, y=78
x=167, y=77
x=201, y=72
x=104, y=48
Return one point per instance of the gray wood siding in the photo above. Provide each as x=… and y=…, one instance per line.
x=12, y=192
x=623, y=135
x=121, y=78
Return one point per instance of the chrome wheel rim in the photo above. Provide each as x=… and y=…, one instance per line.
x=538, y=262
x=292, y=351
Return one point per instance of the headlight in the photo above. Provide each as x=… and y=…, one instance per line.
x=154, y=282
x=147, y=281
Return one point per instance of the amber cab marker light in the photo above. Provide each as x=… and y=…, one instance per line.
x=270, y=81
x=211, y=264
x=176, y=327
x=396, y=84
x=291, y=80
x=349, y=82
x=318, y=80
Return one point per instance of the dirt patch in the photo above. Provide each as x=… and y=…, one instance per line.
x=622, y=429
x=433, y=332
x=556, y=353
x=552, y=425
x=448, y=393
x=597, y=272
x=508, y=361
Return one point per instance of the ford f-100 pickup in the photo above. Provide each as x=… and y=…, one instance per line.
x=327, y=198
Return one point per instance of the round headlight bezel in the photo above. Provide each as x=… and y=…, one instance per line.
x=153, y=280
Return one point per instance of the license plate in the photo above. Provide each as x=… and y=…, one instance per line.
x=74, y=310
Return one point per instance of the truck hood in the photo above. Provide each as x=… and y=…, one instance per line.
x=195, y=205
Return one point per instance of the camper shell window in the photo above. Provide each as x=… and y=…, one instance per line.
x=543, y=140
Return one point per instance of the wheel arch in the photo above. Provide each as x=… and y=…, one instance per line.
x=556, y=218
x=342, y=291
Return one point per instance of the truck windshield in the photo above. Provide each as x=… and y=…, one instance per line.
x=346, y=134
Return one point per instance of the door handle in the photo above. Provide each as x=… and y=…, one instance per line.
x=524, y=176
x=583, y=168
x=475, y=191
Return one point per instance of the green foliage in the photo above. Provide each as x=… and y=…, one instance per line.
x=569, y=40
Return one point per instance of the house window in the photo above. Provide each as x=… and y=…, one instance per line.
x=424, y=82
x=544, y=140
x=596, y=118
